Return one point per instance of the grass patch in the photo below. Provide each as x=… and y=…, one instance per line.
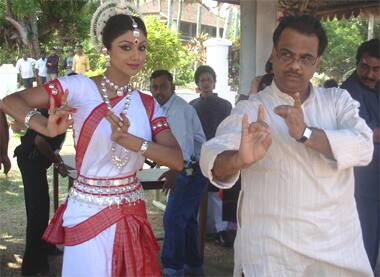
x=218, y=261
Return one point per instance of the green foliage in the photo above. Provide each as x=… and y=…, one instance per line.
x=234, y=64
x=23, y=8
x=59, y=23
x=344, y=37
x=164, y=51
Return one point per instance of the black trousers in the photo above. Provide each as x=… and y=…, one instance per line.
x=28, y=83
x=230, y=199
x=37, y=205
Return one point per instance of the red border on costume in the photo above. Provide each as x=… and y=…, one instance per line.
x=135, y=247
x=148, y=102
x=57, y=85
x=164, y=125
x=90, y=124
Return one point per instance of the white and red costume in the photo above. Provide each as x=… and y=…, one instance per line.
x=103, y=223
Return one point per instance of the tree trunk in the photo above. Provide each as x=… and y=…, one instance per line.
x=227, y=23
x=35, y=43
x=179, y=16
x=236, y=28
x=21, y=29
x=199, y=19
x=170, y=12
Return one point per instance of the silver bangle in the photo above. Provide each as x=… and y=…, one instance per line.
x=144, y=147
x=28, y=116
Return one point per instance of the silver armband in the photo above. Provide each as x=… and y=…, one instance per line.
x=144, y=147
x=28, y=116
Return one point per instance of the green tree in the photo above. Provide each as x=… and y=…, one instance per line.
x=31, y=23
x=344, y=37
x=165, y=51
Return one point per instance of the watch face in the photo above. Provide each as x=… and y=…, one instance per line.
x=307, y=133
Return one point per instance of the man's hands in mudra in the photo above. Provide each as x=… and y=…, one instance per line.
x=255, y=139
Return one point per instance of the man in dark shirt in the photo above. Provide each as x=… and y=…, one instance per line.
x=212, y=110
x=5, y=162
x=34, y=155
x=52, y=65
x=364, y=86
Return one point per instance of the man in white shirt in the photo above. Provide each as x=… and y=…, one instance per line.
x=180, y=253
x=25, y=67
x=41, y=69
x=297, y=214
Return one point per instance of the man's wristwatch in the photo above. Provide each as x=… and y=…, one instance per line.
x=305, y=135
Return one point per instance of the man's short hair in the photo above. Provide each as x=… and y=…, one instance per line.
x=204, y=69
x=371, y=47
x=163, y=72
x=304, y=24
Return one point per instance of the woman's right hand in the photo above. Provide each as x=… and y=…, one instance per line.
x=119, y=126
x=59, y=119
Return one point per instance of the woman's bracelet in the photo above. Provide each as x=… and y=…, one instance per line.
x=28, y=116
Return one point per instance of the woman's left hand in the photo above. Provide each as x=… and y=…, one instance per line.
x=59, y=121
x=119, y=125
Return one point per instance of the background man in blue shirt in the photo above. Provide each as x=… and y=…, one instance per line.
x=363, y=85
x=180, y=252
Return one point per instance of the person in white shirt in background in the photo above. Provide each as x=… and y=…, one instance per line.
x=25, y=65
x=41, y=69
x=180, y=252
x=295, y=146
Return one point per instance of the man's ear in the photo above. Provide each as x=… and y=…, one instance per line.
x=318, y=64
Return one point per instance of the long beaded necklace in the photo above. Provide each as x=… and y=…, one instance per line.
x=122, y=160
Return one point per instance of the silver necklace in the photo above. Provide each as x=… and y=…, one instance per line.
x=119, y=89
x=122, y=160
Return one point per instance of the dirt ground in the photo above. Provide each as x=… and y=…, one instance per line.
x=218, y=261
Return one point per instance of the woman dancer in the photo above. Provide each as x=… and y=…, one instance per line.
x=103, y=223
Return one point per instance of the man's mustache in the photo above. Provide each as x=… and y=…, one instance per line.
x=369, y=79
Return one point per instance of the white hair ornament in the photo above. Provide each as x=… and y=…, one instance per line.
x=105, y=11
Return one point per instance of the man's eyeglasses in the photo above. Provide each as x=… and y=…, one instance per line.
x=287, y=57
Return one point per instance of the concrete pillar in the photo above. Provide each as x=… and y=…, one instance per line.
x=8, y=79
x=258, y=21
x=248, y=17
x=217, y=58
x=266, y=23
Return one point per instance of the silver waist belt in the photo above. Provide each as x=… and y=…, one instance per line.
x=107, y=192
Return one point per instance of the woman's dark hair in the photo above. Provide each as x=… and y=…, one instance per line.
x=371, y=47
x=118, y=25
x=204, y=69
x=330, y=83
x=269, y=66
x=304, y=24
x=265, y=81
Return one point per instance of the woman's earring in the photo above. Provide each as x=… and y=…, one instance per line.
x=108, y=60
x=106, y=57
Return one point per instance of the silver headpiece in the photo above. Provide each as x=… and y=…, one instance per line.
x=105, y=11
